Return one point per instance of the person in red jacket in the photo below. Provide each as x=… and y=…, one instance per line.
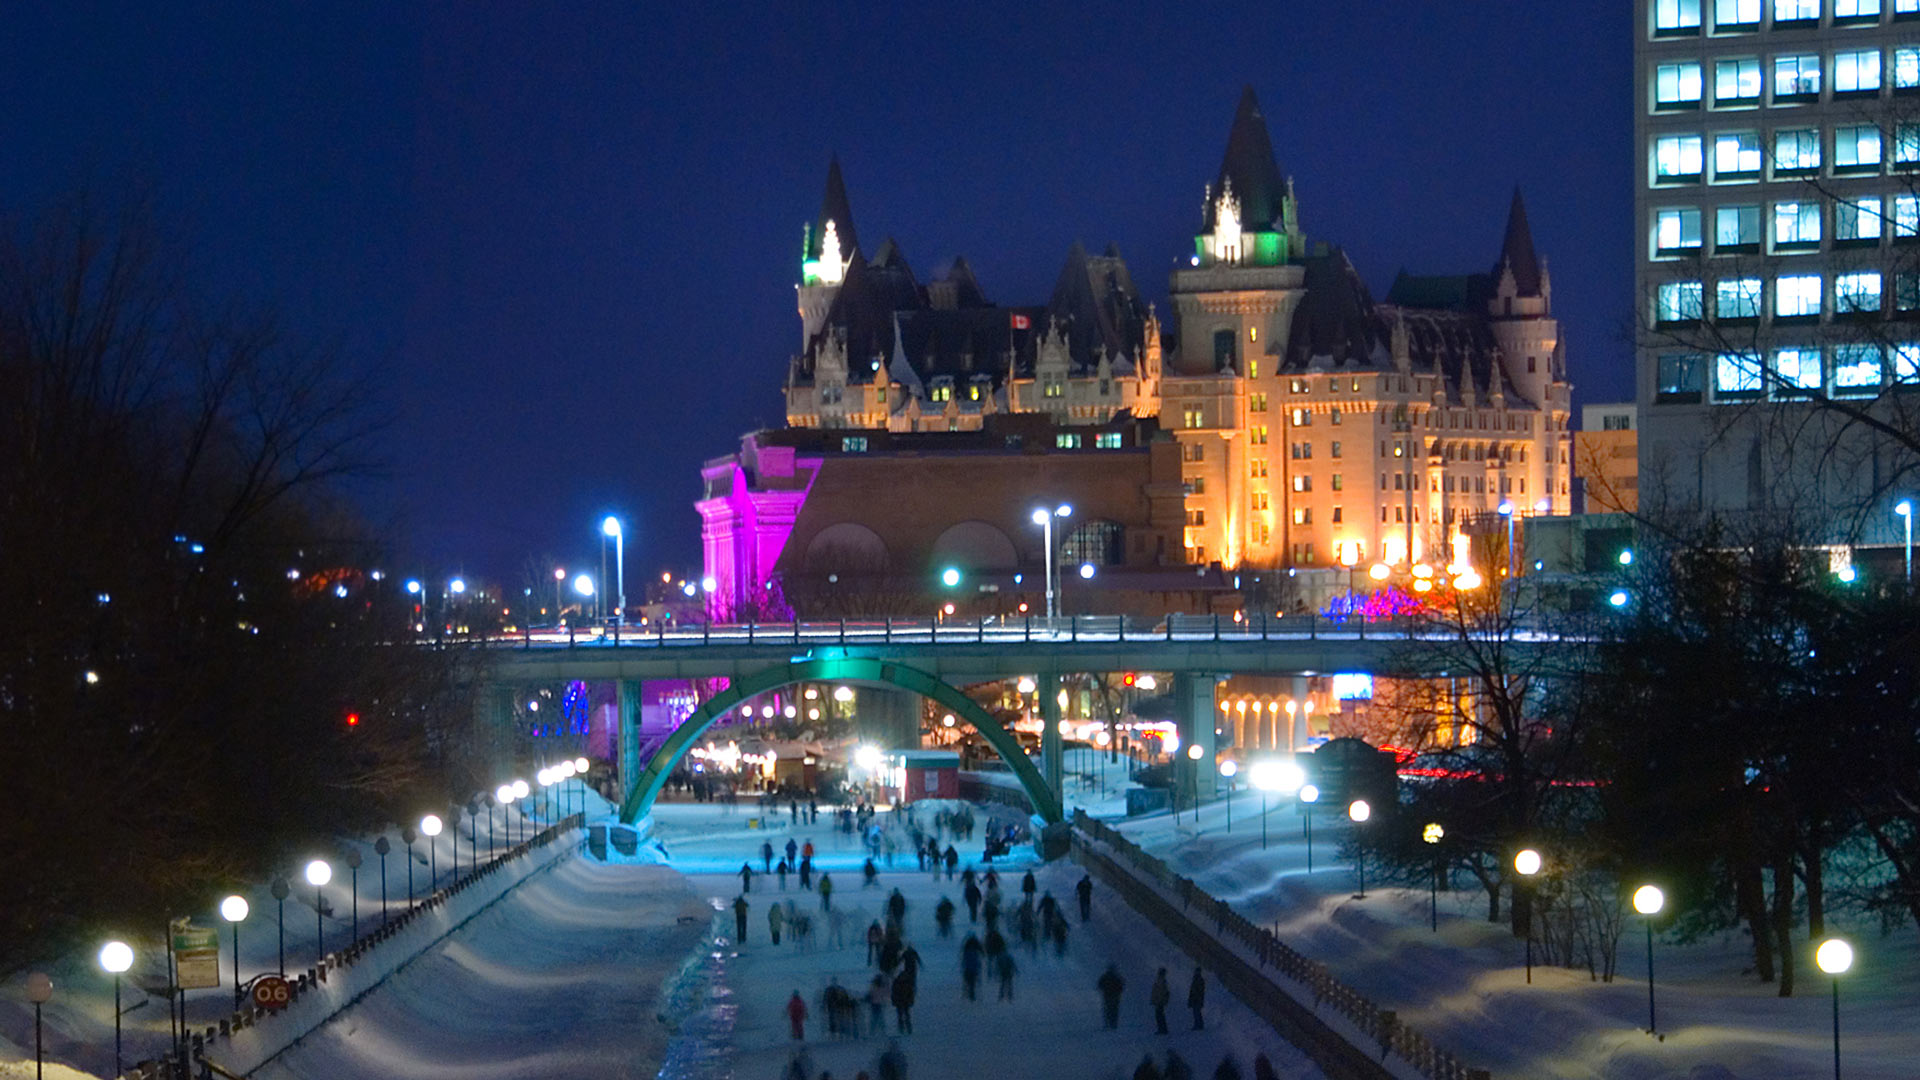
x=797, y=1014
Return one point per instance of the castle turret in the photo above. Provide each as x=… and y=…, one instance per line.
x=827, y=246
x=1522, y=310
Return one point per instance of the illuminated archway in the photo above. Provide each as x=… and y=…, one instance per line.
x=647, y=785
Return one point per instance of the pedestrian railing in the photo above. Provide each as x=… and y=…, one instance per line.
x=1216, y=918
x=334, y=964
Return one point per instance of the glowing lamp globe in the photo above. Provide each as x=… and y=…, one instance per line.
x=580, y=763
x=318, y=873
x=611, y=526
x=1309, y=793
x=1228, y=769
x=116, y=957
x=1193, y=752
x=950, y=577
x=1359, y=811
x=234, y=909
x=1379, y=571
x=1433, y=833
x=1527, y=862
x=431, y=825
x=1086, y=570
x=843, y=694
x=1834, y=956
x=1648, y=899
x=503, y=794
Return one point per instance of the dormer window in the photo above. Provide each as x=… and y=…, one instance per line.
x=942, y=389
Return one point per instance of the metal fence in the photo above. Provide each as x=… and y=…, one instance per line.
x=1214, y=917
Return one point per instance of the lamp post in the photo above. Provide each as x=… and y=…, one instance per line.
x=407, y=837
x=1432, y=834
x=380, y=848
x=1648, y=900
x=559, y=592
x=353, y=867
x=1309, y=794
x=580, y=765
x=473, y=835
x=1905, y=509
x=414, y=589
x=583, y=586
x=1044, y=518
x=611, y=527
x=1358, y=811
x=520, y=792
x=503, y=797
x=115, y=958
x=430, y=827
x=39, y=991
x=280, y=891
x=1528, y=863
x=1833, y=957
x=1507, y=511
x=1227, y=769
x=318, y=874
x=234, y=909
x=453, y=841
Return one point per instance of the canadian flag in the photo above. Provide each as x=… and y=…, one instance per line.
x=1021, y=322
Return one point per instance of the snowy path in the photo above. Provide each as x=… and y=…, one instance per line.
x=562, y=978
x=1052, y=1029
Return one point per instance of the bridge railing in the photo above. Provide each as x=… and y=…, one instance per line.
x=997, y=630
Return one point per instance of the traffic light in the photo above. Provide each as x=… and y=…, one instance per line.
x=1127, y=680
x=353, y=719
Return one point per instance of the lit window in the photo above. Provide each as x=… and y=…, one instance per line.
x=1196, y=517
x=1858, y=220
x=1737, y=373
x=1856, y=292
x=1905, y=8
x=1303, y=515
x=1260, y=501
x=1052, y=387
x=1334, y=481
x=1107, y=440
x=942, y=390
x=1679, y=378
x=1736, y=155
x=1676, y=230
x=1256, y=403
x=1677, y=158
x=1736, y=81
x=1303, y=483
x=1797, y=296
x=1679, y=301
x=1856, y=72
x=1906, y=216
x=1258, y=468
x=1258, y=435
x=1796, y=150
x=1737, y=298
x=1906, y=68
x=1676, y=16
x=1797, y=369
x=1302, y=418
x=1736, y=14
x=1796, y=11
x=1906, y=362
x=1856, y=149
x=1334, y=416
x=1796, y=78
x=1857, y=367
x=1796, y=224
x=1066, y=440
x=1191, y=416
x=1196, y=485
x=1736, y=228
x=1253, y=367
x=1677, y=86
x=1906, y=144
x=1856, y=10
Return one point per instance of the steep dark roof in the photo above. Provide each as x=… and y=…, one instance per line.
x=1454, y=292
x=890, y=272
x=1250, y=168
x=966, y=287
x=1095, y=302
x=1335, y=320
x=834, y=208
x=1516, y=251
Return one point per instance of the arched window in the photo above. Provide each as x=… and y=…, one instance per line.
x=1096, y=542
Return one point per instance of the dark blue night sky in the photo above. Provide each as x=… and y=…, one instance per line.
x=565, y=240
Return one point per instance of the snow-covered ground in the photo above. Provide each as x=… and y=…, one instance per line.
x=1465, y=986
x=1051, y=1029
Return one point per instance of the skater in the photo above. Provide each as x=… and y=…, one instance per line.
x=1084, y=890
x=1028, y=928
x=1111, y=984
x=874, y=938
x=806, y=871
x=797, y=1015
x=897, y=908
x=893, y=1063
x=1197, y=1000
x=971, y=961
x=746, y=877
x=775, y=920
x=952, y=860
x=903, y=994
x=1049, y=907
x=826, y=892
x=1059, y=934
x=739, y=920
x=878, y=994
x=766, y=856
x=1004, y=967
x=783, y=870
x=793, y=850
x=1028, y=885
x=943, y=916
x=971, y=894
x=1159, y=997
x=871, y=873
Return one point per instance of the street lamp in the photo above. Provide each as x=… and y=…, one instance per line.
x=520, y=793
x=1833, y=957
x=430, y=827
x=1648, y=900
x=502, y=795
x=353, y=864
x=280, y=892
x=318, y=874
x=381, y=847
x=234, y=909
x=1905, y=509
x=1270, y=776
x=1044, y=518
x=1309, y=794
x=39, y=991
x=1432, y=834
x=115, y=958
x=1227, y=769
x=950, y=577
x=1506, y=509
x=407, y=837
x=1358, y=811
x=559, y=585
x=611, y=527
x=1528, y=863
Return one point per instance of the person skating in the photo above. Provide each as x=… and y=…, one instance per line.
x=746, y=877
x=910, y=962
x=766, y=856
x=874, y=937
x=903, y=994
x=776, y=918
x=1160, y=997
x=995, y=945
x=1026, y=925
x=1004, y=967
x=783, y=870
x=1049, y=907
x=943, y=916
x=793, y=851
x=952, y=859
x=872, y=875
x=1197, y=1000
x=1111, y=984
x=1084, y=890
x=1028, y=885
x=878, y=993
x=968, y=877
x=971, y=963
x=797, y=1015
x=739, y=920
x=1059, y=934
x=826, y=892
x=897, y=907
x=893, y=1063
x=971, y=894
x=806, y=871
